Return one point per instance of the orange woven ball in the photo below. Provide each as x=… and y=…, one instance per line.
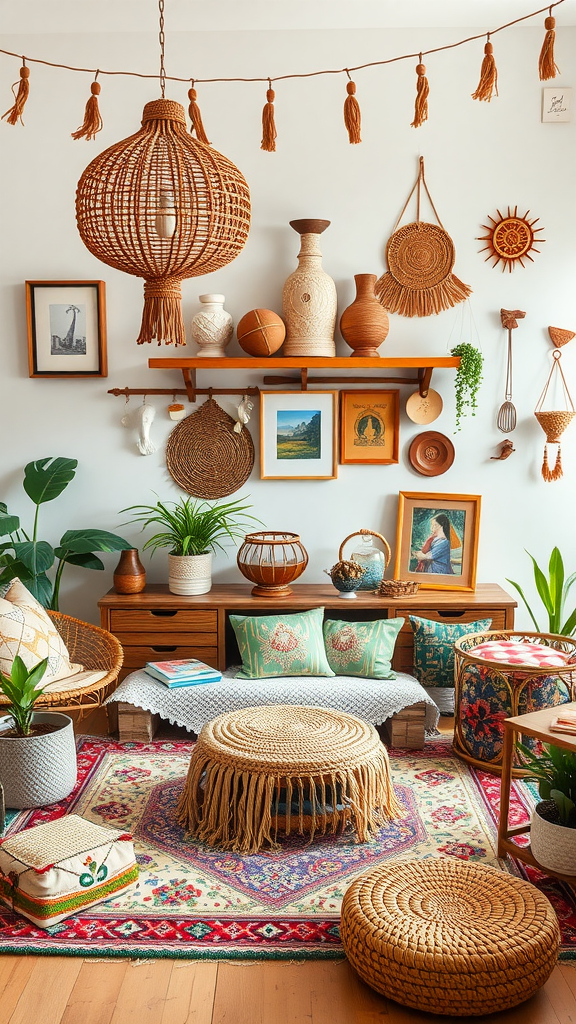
x=261, y=332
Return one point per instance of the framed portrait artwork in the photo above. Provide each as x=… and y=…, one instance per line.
x=437, y=540
x=66, y=328
x=369, y=426
x=298, y=435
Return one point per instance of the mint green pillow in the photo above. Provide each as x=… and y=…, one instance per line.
x=281, y=645
x=362, y=648
x=434, y=648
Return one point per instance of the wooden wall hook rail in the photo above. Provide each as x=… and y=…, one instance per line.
x=126, y=392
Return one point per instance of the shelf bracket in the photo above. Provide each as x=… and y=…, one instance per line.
x=189, y=382
x=304, y=378
x=424, y=378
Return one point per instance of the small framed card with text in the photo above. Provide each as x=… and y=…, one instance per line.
x=369, y=426
x=66, y=328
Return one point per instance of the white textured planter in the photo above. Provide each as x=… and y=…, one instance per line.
x=190, y=574
x=554, y=846
x=38, y=770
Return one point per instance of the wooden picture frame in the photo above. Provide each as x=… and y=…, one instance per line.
x=298, y=437
x=420, y=537
x=66, y=323
x=369, y=427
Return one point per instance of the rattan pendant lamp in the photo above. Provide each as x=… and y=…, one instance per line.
x=163, y=206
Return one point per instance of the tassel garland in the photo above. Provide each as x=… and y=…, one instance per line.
x=352, y=118
x=14, y=114
x=92, y=118
x=488, y=83
x=196, y=117
x=269, y=133
x=552, y=474
x=547, y=66
x=422, y=90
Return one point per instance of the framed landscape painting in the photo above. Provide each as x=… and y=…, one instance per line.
x=66, y=328
x=369, y=427
x=298, y=435
x=437, y=540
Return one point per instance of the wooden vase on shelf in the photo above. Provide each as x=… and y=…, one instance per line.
x=129, y=574
x=364, y=325
x=309, y=297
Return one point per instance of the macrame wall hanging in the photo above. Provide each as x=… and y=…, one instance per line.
x=555, y=421
x=420, y=257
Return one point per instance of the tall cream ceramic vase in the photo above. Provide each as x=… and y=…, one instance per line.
x=364, y=325
x=309, y=297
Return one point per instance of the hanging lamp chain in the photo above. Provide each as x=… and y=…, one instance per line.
x=161, y=39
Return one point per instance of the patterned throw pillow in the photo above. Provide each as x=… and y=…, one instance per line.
x=434, y=648
x=281, y=645
x=362, y=648
x=26, y=629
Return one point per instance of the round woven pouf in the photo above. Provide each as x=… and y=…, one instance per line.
x=449, y=937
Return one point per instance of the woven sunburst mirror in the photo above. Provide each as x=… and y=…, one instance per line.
x=510, y=238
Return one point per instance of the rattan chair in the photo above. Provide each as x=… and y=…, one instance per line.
x=92, y=647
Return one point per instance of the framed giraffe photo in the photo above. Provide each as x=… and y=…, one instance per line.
x=66, y=328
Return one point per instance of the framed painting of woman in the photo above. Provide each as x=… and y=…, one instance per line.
x=437, y=540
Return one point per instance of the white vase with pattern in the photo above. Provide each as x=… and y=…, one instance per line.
x=190, y=574
x=212, y=327
x=309, y=303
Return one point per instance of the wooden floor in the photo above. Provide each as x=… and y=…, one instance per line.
x=72, y=990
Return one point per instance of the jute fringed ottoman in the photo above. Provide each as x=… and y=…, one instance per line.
x=260, y=771
x=449, y=937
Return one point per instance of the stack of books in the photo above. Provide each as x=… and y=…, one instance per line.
x=564, y=722
x=186, y=672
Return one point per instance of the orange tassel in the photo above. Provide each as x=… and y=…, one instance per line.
x=92, y=123
x=269, y=133
x=552, y=474
x=14, y=114
x=196, y=117
x=352, y=118
x=488, y=83
x=422, y=90
x=547, y=66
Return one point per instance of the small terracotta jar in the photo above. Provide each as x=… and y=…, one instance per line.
x=129, y=574
x=364, y=324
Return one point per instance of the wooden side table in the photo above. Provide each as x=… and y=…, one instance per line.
x=534, y=724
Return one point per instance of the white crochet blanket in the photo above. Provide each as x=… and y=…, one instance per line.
x=373, y=700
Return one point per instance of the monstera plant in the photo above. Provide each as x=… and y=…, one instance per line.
x=23, y=555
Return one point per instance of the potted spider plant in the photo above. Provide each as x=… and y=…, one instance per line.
x=192, y=530
x=553, y=824
x=37, y=748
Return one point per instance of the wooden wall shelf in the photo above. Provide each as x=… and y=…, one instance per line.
x=423, y=368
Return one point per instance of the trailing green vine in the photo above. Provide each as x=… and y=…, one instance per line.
x=468, y=379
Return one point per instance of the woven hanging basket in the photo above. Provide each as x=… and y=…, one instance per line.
x=420, y=258
x=206, y=457
x=554, y=421
x=163, y=206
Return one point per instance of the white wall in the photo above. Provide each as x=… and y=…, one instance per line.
x=479, y=157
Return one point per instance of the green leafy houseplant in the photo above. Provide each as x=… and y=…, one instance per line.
x=21, y=689
x=25, y=556
x=191, y=526
x=468, y=379
x=555, y=770
x=553, y=592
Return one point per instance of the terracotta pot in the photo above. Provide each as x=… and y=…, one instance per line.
x=129, y=574
x=364, y=324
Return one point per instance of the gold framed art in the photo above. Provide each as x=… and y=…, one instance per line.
x=437, y=539
x=66, y=328
x=369, y=427
x=298, y=439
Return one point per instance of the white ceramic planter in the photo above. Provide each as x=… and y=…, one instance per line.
x=38, y=770
x=554, y=846
x=190, y=574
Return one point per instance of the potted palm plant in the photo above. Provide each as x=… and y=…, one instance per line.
x=192, y=530
x=37, y=748
x=553, y=824
x=553, y=592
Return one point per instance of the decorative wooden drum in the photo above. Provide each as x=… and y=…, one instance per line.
x=272, y=561
x=501, y=675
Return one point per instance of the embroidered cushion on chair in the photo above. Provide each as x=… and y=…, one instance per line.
x=27, y=629
x=519, y=653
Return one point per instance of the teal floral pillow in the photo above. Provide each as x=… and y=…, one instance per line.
x=281, y=645
x=362, y=648
x=434, y=648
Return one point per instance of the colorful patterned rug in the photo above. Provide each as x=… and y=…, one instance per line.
x=197, y=902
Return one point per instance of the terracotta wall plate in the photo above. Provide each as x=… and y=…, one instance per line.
x=424, y=410
x=430, y=453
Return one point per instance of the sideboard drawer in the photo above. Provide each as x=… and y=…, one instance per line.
x=136, y=657
x=185, y=638
x=173, y=620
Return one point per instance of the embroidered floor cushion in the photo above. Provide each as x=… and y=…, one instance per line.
x=281, y=645
x=26, y=629
x=361, y=648
x=62, y=867
x=509, y=652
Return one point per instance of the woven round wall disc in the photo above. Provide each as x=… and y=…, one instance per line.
x=205, y=455
x=420, y=255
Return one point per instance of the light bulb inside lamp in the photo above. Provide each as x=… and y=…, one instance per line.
x=165, y=220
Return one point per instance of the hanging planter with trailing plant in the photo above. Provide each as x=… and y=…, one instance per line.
x=468, y=379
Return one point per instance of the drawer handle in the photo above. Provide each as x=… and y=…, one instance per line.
x=165, y=613
x=163, y=649
x=451, y=614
